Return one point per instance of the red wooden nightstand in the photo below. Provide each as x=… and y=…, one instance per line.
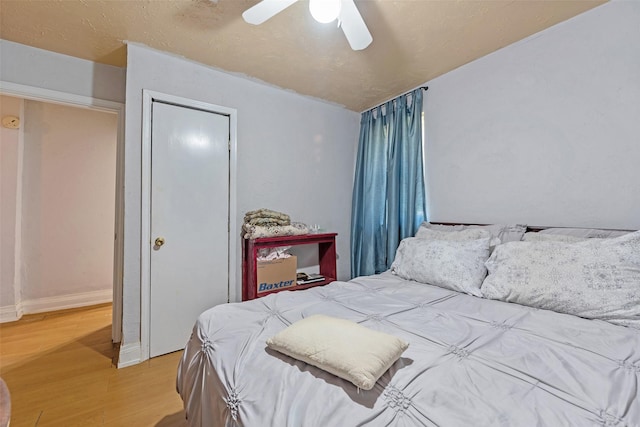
x=326, y=257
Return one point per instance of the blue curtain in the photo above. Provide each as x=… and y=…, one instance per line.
x=388, y=192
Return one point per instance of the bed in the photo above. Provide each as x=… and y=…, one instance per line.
x=472, y=360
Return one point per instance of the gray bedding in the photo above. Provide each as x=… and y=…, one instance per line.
x=471, y=362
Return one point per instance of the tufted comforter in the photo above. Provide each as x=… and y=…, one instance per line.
x=471, y=362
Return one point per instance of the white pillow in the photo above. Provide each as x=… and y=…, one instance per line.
x=588, y=233
x=501, y=233
x=458, y=266
x=340, y=347
x=596, y=279
x=537, y=237
x=454, y=236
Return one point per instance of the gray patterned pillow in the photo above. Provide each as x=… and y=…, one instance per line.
x=457, y=236
x=455, y=265
x=537, y=237
x=596, y=279
x=588, y=233
x=501, y=233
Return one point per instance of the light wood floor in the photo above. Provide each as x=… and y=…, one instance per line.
x=58, y=367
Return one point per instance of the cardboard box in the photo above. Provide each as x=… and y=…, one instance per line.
x=276, y=274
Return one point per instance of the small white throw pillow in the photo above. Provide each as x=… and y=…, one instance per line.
x=340, y=347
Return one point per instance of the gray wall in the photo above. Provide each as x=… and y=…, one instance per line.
x=22, y=65
x=295, y=155
x=545, y=131
x=35, y=67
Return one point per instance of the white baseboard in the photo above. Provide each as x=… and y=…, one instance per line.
x=10, y=313
x=130, y=354
x=63, y=302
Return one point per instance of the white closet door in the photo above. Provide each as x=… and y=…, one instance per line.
x=189, y=221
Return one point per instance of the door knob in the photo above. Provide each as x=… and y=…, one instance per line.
x=159, y=241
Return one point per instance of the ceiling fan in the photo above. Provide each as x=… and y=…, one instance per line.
x=324, y=11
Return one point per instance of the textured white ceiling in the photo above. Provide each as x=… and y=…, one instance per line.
x=413, y=40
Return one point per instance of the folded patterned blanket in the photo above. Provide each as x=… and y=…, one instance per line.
x=267, y=214
x=257, y=231
x=267, y=221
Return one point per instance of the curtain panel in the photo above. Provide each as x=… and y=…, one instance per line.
x=388, y=192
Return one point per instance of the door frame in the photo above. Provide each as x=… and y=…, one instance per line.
x=63, y=98
x=148, y=97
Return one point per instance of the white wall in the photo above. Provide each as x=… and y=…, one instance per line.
x=35, y=73
x=30, y=66
x=9, y=172
x=295, y=155
x=544, y=131
x=68, y=202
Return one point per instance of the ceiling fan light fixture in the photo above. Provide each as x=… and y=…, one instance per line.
x=325, y=11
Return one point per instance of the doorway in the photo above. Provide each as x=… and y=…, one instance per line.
x=56, y=173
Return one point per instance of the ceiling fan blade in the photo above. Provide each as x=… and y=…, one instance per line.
x=353, y=26
x=264, y=10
